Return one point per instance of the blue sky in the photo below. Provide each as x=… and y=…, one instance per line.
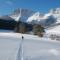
x=7, y=6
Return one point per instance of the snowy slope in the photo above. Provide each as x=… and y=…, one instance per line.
x=53, y=30
x=34, y=48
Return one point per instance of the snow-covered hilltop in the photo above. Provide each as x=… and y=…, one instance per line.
x=56, y=14
x=36, y=18
x=42, y=19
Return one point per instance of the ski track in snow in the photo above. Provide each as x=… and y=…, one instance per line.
x=34, y=48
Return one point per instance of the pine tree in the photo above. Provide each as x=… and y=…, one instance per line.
x=38, y=30
x=22, y=28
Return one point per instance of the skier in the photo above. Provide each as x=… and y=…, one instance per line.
x=22, y=37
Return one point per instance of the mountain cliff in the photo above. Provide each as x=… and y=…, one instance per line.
x=21, y=14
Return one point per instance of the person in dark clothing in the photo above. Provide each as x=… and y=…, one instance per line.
x=22, y=37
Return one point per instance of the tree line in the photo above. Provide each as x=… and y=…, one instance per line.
x=37, y=29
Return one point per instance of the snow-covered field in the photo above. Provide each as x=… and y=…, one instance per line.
x=34, y=48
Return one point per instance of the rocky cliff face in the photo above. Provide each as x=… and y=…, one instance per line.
x=21, y=14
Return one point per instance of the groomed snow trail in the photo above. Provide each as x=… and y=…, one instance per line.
x=34, y=48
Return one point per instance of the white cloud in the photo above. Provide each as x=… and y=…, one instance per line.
x=9, y=2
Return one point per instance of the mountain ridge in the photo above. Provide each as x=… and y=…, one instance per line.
x=32, y=17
